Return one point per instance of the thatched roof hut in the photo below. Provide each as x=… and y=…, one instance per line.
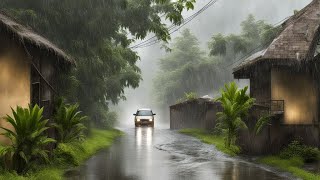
x=32, y=69
x=295, y=44
x=27, y=37
x=285, y=81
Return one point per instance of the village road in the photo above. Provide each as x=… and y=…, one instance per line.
x=159, y=154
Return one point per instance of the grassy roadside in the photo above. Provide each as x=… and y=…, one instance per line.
x=292, y=165
x=209, y=138
x=68, y=156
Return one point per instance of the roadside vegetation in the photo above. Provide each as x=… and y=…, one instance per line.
x=236, y=104
x=292, y=158
x=66, y=156
x=210, y=138
x=31, y=154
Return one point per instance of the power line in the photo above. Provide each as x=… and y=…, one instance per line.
x=173, y=28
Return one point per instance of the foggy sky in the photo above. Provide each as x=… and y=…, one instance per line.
x=223, y=17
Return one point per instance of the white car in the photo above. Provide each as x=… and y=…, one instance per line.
x=144, y=117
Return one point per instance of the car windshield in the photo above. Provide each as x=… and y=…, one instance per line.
x=144, y=113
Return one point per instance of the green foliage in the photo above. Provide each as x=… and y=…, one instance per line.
x=28, y=140
x=108, y=120
x=297, y=149
x=218, y=45
x=293, y=165
x=254, y=33
x=186, y=69
x=68, y=123
x=209, y=138
x=68, y=155
x=261, y=123
x=191, y=96
x=236, y=104
x=188, y=97
x=97, y=34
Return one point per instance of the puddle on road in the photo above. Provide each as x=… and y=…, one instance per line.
x=147, y=153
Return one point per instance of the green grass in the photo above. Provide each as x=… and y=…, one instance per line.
x=68, y=156
x=292, y=165
x=209, y=138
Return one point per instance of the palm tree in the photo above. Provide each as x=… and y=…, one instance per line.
x=236, y=104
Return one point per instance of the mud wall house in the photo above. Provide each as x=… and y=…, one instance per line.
x=199, y=113
x=285, y=81
x=29, y=64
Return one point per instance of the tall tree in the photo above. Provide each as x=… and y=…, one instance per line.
x=95, y=33
x=186, y=68
x=254, y=33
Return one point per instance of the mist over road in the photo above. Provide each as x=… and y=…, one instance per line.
x=146, y=153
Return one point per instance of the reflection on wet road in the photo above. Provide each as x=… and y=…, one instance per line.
x=151, y=154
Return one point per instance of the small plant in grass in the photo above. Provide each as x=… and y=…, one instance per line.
x=68, y=123
x=28, y=140
x=236, y=104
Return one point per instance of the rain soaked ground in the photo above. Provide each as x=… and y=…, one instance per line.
x=145, y=153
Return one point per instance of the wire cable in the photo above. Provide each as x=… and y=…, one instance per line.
x=173, y=28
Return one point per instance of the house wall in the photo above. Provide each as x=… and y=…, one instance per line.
x=299, y=94
x=260, y=86
x=14, y=78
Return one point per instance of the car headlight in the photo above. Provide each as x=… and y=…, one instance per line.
x=150, y=119
x=138, y=120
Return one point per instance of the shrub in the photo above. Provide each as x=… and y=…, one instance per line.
x=191, y=96
x=68, y=123
x=297, y=149
x=65, y=153
x=28, y=140
x=109, y=120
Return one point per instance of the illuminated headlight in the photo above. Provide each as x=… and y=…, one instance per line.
x=150, y=119
x=138, y=120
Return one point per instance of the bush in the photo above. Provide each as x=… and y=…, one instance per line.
x=65, y=153
x=191, y=96
x=297, y=149
x=28, y=140
x=109, y=120
x=68, y=123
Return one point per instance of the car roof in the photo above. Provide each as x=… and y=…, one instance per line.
x=144, y=109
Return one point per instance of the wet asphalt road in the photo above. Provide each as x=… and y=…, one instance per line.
x=145, y=153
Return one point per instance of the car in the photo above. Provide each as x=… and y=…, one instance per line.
x=144, y=117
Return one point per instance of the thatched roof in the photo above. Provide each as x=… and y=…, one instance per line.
x=296, y=43
x=27, y=36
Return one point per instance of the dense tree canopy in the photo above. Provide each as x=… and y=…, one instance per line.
x=254, y=33
x=96, y=33
x=188, y=69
